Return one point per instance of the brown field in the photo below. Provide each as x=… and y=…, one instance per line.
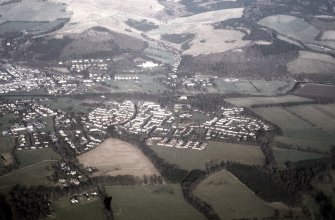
x=317, y=90
x=115, y=157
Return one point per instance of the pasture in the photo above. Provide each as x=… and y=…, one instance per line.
x=249, y=101
x=30, y=157
x=84, y=210
x=145, y=83
x=316, y=90
x=220, y=191
x=312, y=63
x=29, y=176
x=157, y=202
x=283, y=155
x=317, y=116
x=67, y=104
x=115, y=157
x=291, y=26
x=192, y=159
x=7, y=143
x=299, y=131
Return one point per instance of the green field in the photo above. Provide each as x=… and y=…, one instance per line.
x=283, y=155
x=6, y=143
x=67, y=104
x=291, y=26
x=317, y=116
x=145, y=83
x=30, y=157
x=297, y=131
x=28, y=176
x=84, y=210
x=312, y=63
x=231, y=199
x=249, y=101
x=193, y=159
x=158, y=202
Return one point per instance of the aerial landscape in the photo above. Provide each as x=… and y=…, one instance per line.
x=167, y=109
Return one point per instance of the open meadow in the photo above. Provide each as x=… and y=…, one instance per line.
x=298, y=132
x=29, y=176
x=30, y=157
x=250, y=101
x=310, y=63
x=115, y=157
x=192, y=159
x=283, y=155
x=291, y=26
x=233, y=200
x=156, y=202
x=85, y=210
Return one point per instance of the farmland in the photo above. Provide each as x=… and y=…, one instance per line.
x=300, y=131
x=283, y=155
x=33, y=175
x=250, y=101
x=291, y=26
x=220, y=191
x=84, y=210
x=67, y=104
x=32, y=16
x=316, y=90
x=157, y=202
x=115, y=157
x=30, y=157
x=312, y=63
x=190, y=159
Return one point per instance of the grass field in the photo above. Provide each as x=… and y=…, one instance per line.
x=249, y=101
x=220, y=191
x=291, y=26
x=317, y=116
x=115, y=157
x=67, y=104
x=309, y=62
x=30, y=157
x=28, y=176
x=283, y=155
x=85, y=210
x=297, y=131
x=145, y=83
x=158, y=202
x=192, y=159
x=6, y=143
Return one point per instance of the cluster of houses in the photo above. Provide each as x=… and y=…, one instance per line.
x=80, y=65
x=71, y=131
x=198, y=80
x=114, y=113
x=29, y=129
x=233, y=124
x=67, y=175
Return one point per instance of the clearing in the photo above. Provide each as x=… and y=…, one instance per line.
x=115, y=157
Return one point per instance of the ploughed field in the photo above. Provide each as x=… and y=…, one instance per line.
x=115, y=157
